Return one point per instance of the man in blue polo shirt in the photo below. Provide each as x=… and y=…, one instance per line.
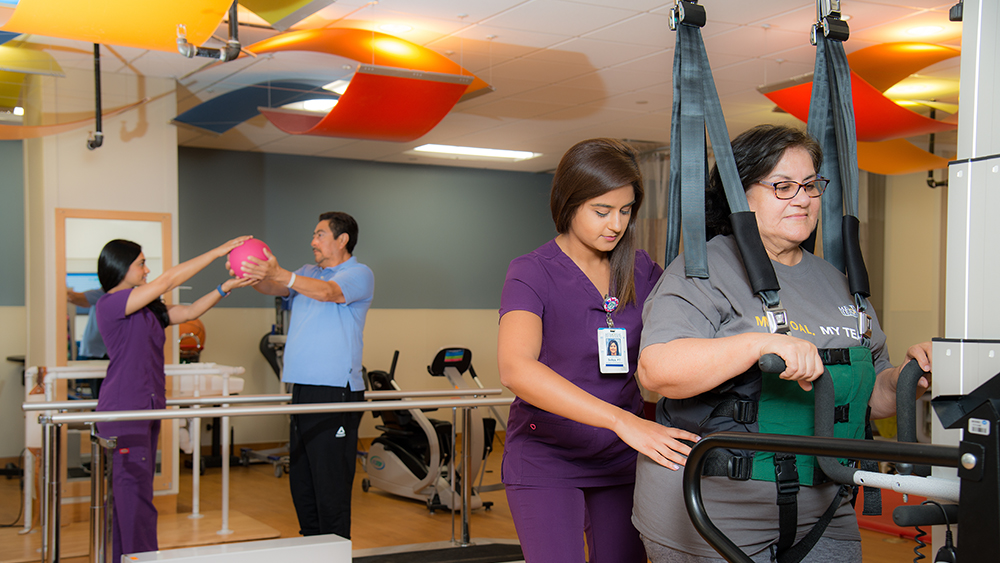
x=329, y=302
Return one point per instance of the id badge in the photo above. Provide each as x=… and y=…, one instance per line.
x=612, y=349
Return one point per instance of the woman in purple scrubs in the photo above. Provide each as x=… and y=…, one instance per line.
x=132, y=318
x=576, y=424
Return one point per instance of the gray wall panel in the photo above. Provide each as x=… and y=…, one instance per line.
x=220, y=196
x=12, y=224
x=436, y=237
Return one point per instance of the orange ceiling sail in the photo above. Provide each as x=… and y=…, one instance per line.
x=369, y=47
x=144, y=24
x=897, y=156
x=18, y=132
x=399, y=92
x=886, y=64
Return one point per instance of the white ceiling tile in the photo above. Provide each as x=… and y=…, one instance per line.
x=647, y=29
x=598, y=53
x=563, y=70
x=559, y=17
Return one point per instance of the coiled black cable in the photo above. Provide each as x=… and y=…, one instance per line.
x=921, y=534
x=20, y=511
x=920, y=545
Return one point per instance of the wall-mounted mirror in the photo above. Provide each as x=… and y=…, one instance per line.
x=80, y=236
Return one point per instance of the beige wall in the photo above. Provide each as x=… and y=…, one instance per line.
x=233, y=336
x=913, y=293
x=12, y=343
x=135, y=170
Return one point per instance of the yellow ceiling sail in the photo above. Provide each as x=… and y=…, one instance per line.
x=10, y=88
x=23, y=58
x=283, y=14
x=145, y=24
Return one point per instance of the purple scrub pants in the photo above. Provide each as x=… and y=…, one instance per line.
x=132, y=470
x=550, y=522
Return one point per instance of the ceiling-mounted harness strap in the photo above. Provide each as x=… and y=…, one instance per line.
x=831, y=122
x=688, y=171
x=696, y=107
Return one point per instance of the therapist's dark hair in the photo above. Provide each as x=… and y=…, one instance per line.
x=116, y=258
x=341, y=223
x=591, y=169
x=757, y=151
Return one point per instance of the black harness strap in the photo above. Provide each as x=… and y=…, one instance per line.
x=786, y=479
x=797, y=552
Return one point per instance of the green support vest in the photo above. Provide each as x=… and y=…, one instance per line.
x=784, y=408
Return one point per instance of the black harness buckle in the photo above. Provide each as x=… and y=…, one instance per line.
x=745, y=412
x=740, y=467
x=786, y=474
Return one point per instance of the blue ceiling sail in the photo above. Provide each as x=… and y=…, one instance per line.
x=222, y=113
x=6, y=36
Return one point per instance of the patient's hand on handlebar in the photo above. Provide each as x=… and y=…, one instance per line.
x=802, y=362
x=922, y=354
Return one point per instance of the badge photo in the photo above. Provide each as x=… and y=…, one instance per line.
x=612, y=349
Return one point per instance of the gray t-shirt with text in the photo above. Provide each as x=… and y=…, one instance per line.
x=822, y=310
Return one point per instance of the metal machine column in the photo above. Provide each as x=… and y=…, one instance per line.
x=969, y=354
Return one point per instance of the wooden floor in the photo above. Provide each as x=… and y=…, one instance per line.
x=260, y=501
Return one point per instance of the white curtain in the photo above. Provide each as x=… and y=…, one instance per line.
x=651, y=224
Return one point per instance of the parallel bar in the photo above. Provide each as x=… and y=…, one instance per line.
x=467, y=477
x=255, y=399
x=163, y=414
x=51, y=423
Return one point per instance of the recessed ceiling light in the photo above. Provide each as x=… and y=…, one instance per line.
x=474, y=153
x=19, y=110
x=395, y=28
x=925, y=30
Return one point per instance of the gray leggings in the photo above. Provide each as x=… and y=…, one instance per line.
x=826, y=550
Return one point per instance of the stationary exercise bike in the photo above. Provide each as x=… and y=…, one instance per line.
x=412, y=457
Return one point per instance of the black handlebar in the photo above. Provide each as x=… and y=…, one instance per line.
x=822, y=443
x=943, y=456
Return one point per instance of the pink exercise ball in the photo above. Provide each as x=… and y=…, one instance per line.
x=252, y=247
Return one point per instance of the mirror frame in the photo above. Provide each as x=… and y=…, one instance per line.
x=61, y=215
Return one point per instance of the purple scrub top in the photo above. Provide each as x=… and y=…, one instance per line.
x=135, y=379
x=546, y=449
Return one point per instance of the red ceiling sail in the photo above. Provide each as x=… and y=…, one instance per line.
x=881, y=123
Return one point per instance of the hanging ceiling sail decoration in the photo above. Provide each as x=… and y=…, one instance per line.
x=877, y=117
x=222, y=113
x=399, y=92
x=113, y=22
x=283, y=14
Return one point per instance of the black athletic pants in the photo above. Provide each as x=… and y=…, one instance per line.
x=323, y=451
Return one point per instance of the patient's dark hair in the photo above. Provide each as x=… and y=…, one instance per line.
x=341, y=223
x=112, y=265
x=757, y=151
